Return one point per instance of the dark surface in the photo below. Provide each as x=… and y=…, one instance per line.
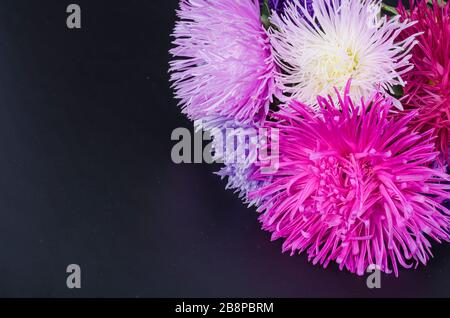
x=86, y=175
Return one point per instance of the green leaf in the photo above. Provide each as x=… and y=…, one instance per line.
x=265, y=14
x=389, y=9
x=398, y=90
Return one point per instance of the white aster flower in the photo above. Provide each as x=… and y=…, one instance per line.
x=341, y=40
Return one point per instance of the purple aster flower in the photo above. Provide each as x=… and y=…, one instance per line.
x=236, y=145
x=223, y=65
x=278, y=5
x=239, y=179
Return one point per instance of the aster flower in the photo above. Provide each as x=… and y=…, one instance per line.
x=223, y=65
x=428, y=87
x=238, y=178
x=236, y=146
x=278, y=5
x=342, y=40
x=354, y=186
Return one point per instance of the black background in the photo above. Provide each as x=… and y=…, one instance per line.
x=86, y=175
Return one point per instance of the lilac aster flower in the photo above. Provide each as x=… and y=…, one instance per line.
x=236, y=146
x=355, y=186
x=239, y=179
x=223, y=65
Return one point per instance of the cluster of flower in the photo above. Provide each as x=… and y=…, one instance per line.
x=360, y=95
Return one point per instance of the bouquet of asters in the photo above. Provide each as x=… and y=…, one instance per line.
x=356, y=95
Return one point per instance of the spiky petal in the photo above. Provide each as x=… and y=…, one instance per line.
x=354, y=186
x=236, y=146
x=223, y=64
x=342, y=40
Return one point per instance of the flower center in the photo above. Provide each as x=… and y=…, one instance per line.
x=341, y=64
x=340, y=185
x=332, y=67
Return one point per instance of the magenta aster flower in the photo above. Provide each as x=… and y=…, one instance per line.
x=223, y=65
x=428, y=87
x=354, y=186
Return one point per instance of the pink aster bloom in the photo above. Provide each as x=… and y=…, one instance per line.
x=223, y=65
x=428, y=83
x=354, y=186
